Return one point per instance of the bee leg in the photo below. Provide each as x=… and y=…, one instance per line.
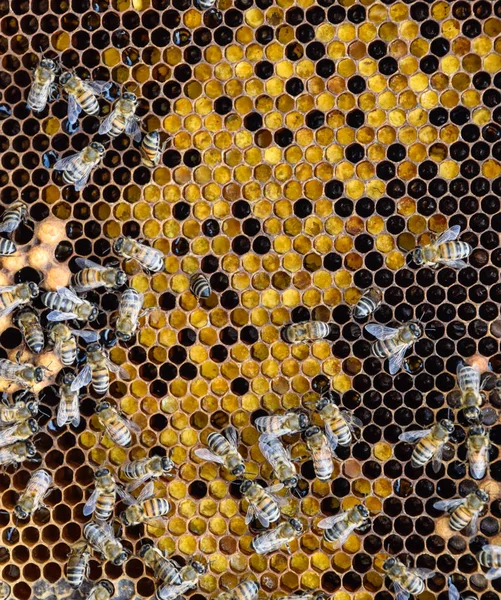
x=18, y=356
x=288, y=547
x=5, y=399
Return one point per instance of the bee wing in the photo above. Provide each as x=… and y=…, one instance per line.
x=124, y=374
x=131, y=425
x=75, y=409
x=107, y=123
x=351, y=420
x=397, y=359
x=478, y=462
x=449, y=236
x=85, y=263
x=97, y=87
x=208, y=455
x=449, y=505
x=8, y=226
x=262, y=517
x=453, y=591
x=332, y=439
x=493, y=573
x=329, y=522
x=424, y=573
x=90, y=505
x=125, y=496
x=147, y=492
x=457, y=264
x=67, y=161
x=413, y=436
x=82, y=379
x=132, y=128
x=270, y=446
x=471, y=528
x=381, y=332
x=69, y=295
x=56, y=315
x=231, y=434
x=275, y=488
x=437, y=459
x=62, y=413
x=84, y=179
x=168, y=592
x=86, y=335
x=8, y=309
x=280, y=420
x=251, y=513
x=58, y=348
x=272, y=540
x=400, y=593
x=137, y=482
x=74, y=109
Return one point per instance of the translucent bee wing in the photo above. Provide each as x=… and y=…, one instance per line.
x=413, y=436
x=69, y=295
x=471, y=529
x=56, y=316
x=168, y=592
x=275, y=488
x=448, y=236
x=493, y=573
x=97, y=87
x=437, y=459
x=492, y=548
x=270, y=446
x=208, y=455
x=6, y=288
x=457, y=264
x=424, y=573
x=332, y=439
x=82, y=379
x=396, y=360
x=132, y=128
x=8, y=226
x=231, y=434
x=329, y=522
x=58, y=348
x=453, y=591
x=84, y=179
x=478, y=461
x=85, y=263
x=449, y=505
x=8, y=309
x=147, y=492
x=74, y=109
x=381, y=332
x=262, y=517
x=131, y=425
x=351, y=419
x=86, y=335
x=67, y=161
x=137, y=482
x=114, y=368
x=75, y=409
x=90, y=505
x=62, y=414
x=251, y=513
x=105, y=126
x=400, y=593
x=345, y=535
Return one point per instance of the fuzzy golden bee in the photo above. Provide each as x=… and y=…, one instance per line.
x=117, y=427
x=338, y=528
x=82, y=95
x=308, y=331
x=145, y=508
x=14, y=215
x=223, y=449
x=470, y=386
x=263, y=504
x=102, y=538
x=77, y=167
x=368, y=303
x=21, y=410
x=65, y=344
x=66, y=305
x=142, y=470
x=165, y=569
x=478, y=445
x=32, y=498
x=282, y=535
x=43, y=85
x=280, y=460
x=18, y=432
x=97, y=371
x=29, y=324
x=69, y=403
x=490, y=557
x=465, y=512
x=431, y=444
x=393, y=343
x=122, y=119
x=287, y=424
x=445, y=250
x=13, y=296
x=129, y=313
x=151, y=259
x=339, y=424
x=102, y=500
x=17, y=453
x=152, y=149
x=322, y=452
x=23, y=374
x=245, y=590
x=102, y=590
x=93, y=276
x=77, y=567
x=189, y=576
x=406, y=581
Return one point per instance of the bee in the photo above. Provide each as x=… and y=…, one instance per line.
x=77, y=568
x=279, y=459
x=311, y=596
x=16, y=453
x=152, y=149
x=7, y=247
x=23, y=374
x=145, y=508
x=205, y=4
x=339, y=424
x=431, y=443
x=490, y=556
x=470, y=386
x=200, y=286
x=77, y=167
x=82, y=95
x=103, y=590
x=278, y=425
x=65, y=343
x=122, y=118
x=12, y=296
x=13, y=216
x=262, y=504
x=478, y=451
x=66, y=305
x=307, y=331
x=29, y=324
x=93, y=276
x=322, y=452
x=97, y=370
x=101, y=538
x=445, y=250
x=464, y=512
x=337, y=529
x=165, y=569
x=31, y=500
x=144, y=469
x=406, y=581
x=43, y=85
x=393, y=343
x=189, y=577
x=129, y=311
x=4, y=590
x=102, y=500
x=18, y=432
x=69, y=403
x=149, y=258
x=245, y=590
x=117, y=427
x=368, y=303
x=270, y=541
x=223, y=449
x=19, y=411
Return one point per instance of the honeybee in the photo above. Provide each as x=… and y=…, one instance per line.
x=77, y=568
x=200, y=286
x=322, y=452
x=97, y=370
x=4, y=590
x=444, y=251
x=66, y=305
x=43, y=85
x=152, y=149
x=310, y=596
x=144, y=469
x=464, y=512
x=82, y=95
x=308, y=331
x=103, y=590
x=270, y=541
x=29, y=324
x=23, y=374
x=101, y=538
x=122, y=118
x=17, y=453
x=223, y=449
x=7, y=247
x=145, y=508
x=117, y=427
x=149, y=258
x=31, y=499
x=431, y=443
x=490, y=556
x=77, y=167
x=406, y=581
x=205, y=4
x=69, y=403
x=18, y=432
x=13, y=216
x=393, y=343
x=337, y=529
x=262, y=504
x=102, y=500
x=470, y=386
x=93, y=276
x=19, y=411
x=65, y=343
x=279, y=459
x=165, y=569
x=278, y=425
x=12, y=296
x=245, y=590
x=478, y=451
x=129, y=311
x=368, y=303
x=189, y=577
x=339, y=424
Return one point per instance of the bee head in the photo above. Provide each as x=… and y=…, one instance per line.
x=167, y=463
x=34, y=289
x=304, y=420
x=416, y=329
x=296, y=524
x=417, y=256
x=245, y=486
x=311, y=431
x=97, y=147
x=482, y=495
x=322, y=403
x=477, y=430
x=472, y=413
x=20, y=512
x=93, y=313
x=48, y=63
x=363, y=510
x=238, y=470
x=447, y=425
x=199, y=567
x=39, y=374
x=93, y=347
x=144, y=549
x=108, y=586
x=102, y=406
x=102, y=472
x=129, y=96
x=68, y=378
x=65, y=77
x=30, y=449
x=33, y=425
x=120, y=559
x=389, y=563
x=291, y=482
x=118, y=245
x=121, y=278
x=32, y=406
x=124, y=518
x=122, y=335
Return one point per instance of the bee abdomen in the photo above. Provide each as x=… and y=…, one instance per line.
x=334, y=533
x=489, y=558
x=423, y=453
x=324, y=469
x=156, y=507
x=460, y=519
x=117, y=126
x=270, y=508
x=205, y=4
x=217, y=443
x=342, y=432
x=455, y=250
x=381, y=349
x=364, y=307
x=246, y=590
x=89, y=103
x=104, y=506
x=68, y=352
x=7, y=247
x=200, y=286
x=36, y=341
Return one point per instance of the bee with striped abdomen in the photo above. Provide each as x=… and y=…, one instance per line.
x=478, y=451
x=281, y=536
x=77, y=568
x=69, y=403
x=445, y=250
x=122, y=118
x=280, y=460
x=337, y=529
x=189, y=577
x=65, y=343
x=7, y=247
x=200, y=286
x=307, y=331
x=17, y=453
x=13, y=296
x=464, y=512
x=263, y=505
x=278, y=425
x=490, y=557
x=43, y=85
x=66, y=305
x=149, y=258
x=393, y=343
x=101, y=537
x=145, y=508
x=339, y=424
x=29, y=325
x=102, y=500
x=24, y=374
x=5, y=590
x=93, y=276
x=117, y=427
x=18, y=432
x=19, y=411
x=82, y=95
x=97, y=370
x=78, y=167
x=223, y=449
x=470, y=386
x=368, y=303
x=152, y=149
x=205, y=4
x=142, y=470
x=406, y=581
x=245, y=590
x=13, y=216
x=31, y=499
x=103, y=590
x=322, y=452
x=431, y=443
x=129, y=313
x=165, y=569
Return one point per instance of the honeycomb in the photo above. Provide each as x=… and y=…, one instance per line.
x=312, y=146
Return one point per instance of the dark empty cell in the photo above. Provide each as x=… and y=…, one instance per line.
x=264, y=69
x=284, y=137
x=491, y=133
x=304, y=34
x=355, y=118
x=181, y=211
x=334, y=189
x=325, y=68
x=491, y=98
x=253, y=121
x=241, y=209
x=315, y=119
x=180, y=246
x=261, y=245
x=264, y=35
x=355, y=153
x=223, y=105
x=388, y=65
x=241, y=245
